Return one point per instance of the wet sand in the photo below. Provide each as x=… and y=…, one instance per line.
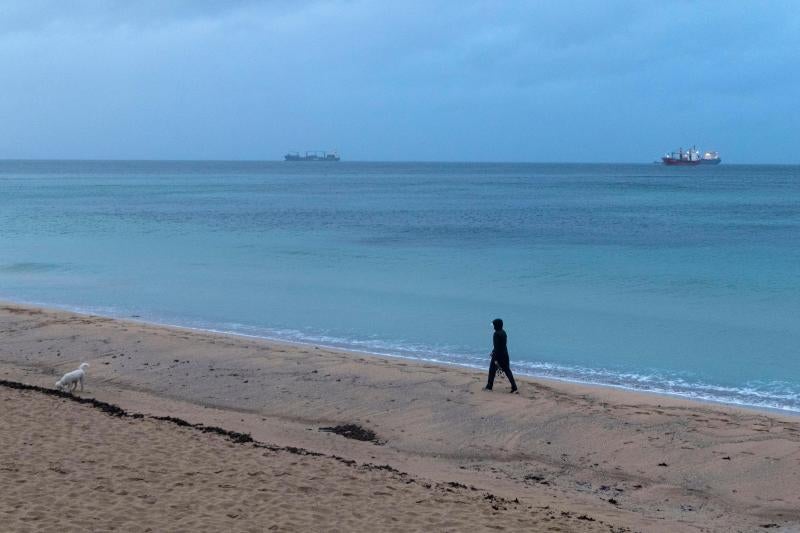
x=620, y=460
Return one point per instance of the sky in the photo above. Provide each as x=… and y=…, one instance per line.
x=460, y=80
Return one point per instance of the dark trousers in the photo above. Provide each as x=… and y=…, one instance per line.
x=503, y=364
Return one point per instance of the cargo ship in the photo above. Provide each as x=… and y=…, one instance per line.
x=691, y=157
x=312, y=155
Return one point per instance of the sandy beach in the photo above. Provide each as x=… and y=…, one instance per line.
x=446, y=456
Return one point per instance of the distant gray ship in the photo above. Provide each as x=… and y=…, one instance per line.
x=312, y=155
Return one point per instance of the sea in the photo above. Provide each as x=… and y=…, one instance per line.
x=675, y=280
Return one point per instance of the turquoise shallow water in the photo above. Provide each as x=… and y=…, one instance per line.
x=678, y=280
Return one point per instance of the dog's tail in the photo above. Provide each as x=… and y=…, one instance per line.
x=84, y=366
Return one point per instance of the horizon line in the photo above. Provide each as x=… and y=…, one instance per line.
x=408, y=161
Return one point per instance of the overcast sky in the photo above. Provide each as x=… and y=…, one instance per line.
x=400, y=80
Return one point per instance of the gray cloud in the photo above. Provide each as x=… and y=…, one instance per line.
x=473, y=80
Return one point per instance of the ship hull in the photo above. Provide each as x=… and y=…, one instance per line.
x=292, y=157
x=671, y=161
x=715, y=161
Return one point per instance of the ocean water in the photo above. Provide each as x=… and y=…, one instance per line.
x=673, y=280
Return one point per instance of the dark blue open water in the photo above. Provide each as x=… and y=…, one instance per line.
x=680, y=280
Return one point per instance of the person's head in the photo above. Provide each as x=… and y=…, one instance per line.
x=498, y=324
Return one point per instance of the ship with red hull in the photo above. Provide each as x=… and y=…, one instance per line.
x=691, y=157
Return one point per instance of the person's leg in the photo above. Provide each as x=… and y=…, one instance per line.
x=492, y=372
x=506, y=366
x=510, y=376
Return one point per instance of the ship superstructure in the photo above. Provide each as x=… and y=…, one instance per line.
x=710, y=158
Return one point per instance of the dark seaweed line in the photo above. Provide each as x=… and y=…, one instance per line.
x=242, y=438
x=117, y=411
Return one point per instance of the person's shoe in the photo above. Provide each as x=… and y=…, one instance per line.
x=514, y=390
x=487, y=389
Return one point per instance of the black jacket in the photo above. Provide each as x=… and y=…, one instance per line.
x=499, y=340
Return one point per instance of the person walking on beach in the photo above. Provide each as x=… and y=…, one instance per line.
x=500, y=356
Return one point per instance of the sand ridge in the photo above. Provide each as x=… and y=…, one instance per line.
x=69, y=466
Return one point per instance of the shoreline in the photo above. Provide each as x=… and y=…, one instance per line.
x=635, y=460
x=766, y=409
x=475, y=368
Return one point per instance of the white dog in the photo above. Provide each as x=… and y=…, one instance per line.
x=72, y=379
